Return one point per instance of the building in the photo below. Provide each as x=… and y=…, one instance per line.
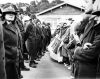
x=59, y=13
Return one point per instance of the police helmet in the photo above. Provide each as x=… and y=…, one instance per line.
x=8, y=8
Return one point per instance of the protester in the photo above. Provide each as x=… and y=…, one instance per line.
x=86, y=56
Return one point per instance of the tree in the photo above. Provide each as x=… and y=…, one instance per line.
x=55, y=2
x=45, y=1
x=33, y=7
x=59, y=1
x=27, y=10
x=33, y=3
x=42, y=5
x=21, y=4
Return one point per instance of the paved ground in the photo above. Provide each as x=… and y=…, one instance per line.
x=47, y=69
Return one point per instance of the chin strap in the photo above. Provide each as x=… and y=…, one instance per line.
x=9, y=21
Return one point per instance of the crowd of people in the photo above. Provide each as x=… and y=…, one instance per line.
x=79, y=44
x=20, y=39
x=26, y=38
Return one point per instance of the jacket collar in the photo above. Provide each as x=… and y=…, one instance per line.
x=10, y=27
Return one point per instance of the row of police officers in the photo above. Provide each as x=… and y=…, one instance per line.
x=13, y=37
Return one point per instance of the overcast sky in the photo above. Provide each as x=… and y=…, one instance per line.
x=28, y=1
x=15, y=1
x=76, y=2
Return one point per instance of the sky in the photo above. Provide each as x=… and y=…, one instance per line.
x=15, y=1
x=26, y=1
x=76, y=2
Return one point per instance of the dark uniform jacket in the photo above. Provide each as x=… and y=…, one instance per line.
x=11, y=42
x=87, y=59
x=31, y=32
x=12, y=49
x=32, y=36
x=22, y=31
x=2, y=55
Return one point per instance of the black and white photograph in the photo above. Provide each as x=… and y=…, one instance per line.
x=49, y=39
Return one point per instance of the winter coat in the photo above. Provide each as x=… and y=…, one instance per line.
x=2, y=55
x=86, y=60
x=11, y=42
x=65, y=40
x=12, y=49
x=32, y=36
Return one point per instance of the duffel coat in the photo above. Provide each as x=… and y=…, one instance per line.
x=2, y=55
x=86, y=60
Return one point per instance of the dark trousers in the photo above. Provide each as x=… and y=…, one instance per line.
x=32, y=49
x=84, y=70
x=25, y=52
x=11, y=71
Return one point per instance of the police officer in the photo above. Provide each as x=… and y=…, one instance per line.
x=40, y=39
x=2, y=53
x=45, y=38
x=11, y=36
x=23, y=47
x=32, y=37
x=48, y=33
